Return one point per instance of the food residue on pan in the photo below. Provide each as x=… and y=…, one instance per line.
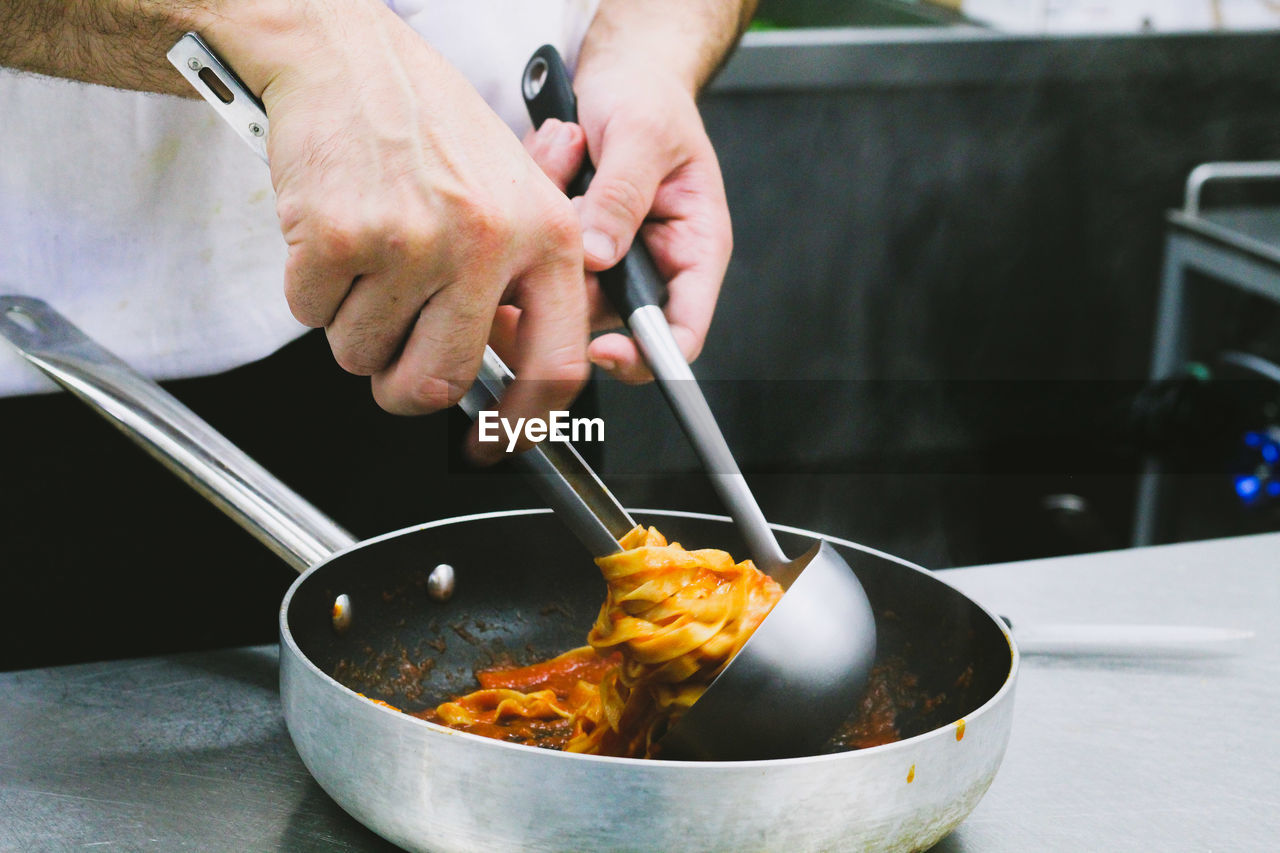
x=960, y=729
x=389, y=674
x=893, y=692
x=911, y=774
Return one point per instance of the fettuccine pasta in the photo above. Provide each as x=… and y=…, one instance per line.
x=672, y=619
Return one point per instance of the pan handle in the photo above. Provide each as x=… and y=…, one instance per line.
x=272, y=512
x=154, y=419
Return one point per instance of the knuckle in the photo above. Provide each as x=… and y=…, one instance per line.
x=566, y=369
x=721, y=249
x=359, y=354
x=724, y=237
x=404, y=239
x=431, y=394
x=485, y=224
x=356, y=362
x=304, y=308
x=455, y=392
x=353, y=242
x=623, y=199
x=561, y=227
x=574, y=374
x=336, y=238
x=307, y=302
x=290, y=213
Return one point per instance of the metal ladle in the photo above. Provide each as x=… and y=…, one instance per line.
x=804, y=668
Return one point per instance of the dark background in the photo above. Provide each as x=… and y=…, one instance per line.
x=937, y=322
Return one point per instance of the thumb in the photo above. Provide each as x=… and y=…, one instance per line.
x=617, y=202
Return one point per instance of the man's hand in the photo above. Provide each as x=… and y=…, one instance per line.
x=654, y=167
x=642, y=65
x=411, y=213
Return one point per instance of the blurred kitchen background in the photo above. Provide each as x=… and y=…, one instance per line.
x=955, y=223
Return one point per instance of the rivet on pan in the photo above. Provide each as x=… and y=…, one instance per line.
x=255, y=128
x=440, y=582
x=194, y=64
x=341, y=613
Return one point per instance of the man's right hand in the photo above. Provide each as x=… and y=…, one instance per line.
x=410, y=210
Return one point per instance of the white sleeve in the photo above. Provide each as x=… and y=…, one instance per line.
x=490, y=42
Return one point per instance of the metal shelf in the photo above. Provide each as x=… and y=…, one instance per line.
x=1236, y=247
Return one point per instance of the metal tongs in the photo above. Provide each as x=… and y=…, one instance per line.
x=803, y=670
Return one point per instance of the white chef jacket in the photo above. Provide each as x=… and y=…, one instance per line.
x=152, y=226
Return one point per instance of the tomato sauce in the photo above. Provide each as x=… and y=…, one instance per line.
x=562, y=675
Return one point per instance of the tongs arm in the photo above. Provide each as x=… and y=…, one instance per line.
x=558, y=472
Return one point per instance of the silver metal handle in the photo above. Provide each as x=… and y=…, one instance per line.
x=218, y=84
x=649, y=327
x=561, y=476
x=1127, y=640
x=271, y=511
x=1206, y=172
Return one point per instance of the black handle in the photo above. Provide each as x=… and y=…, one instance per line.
x=548, y=93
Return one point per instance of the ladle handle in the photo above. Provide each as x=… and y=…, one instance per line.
x=561, y=476
x=637, y=292
x=153, y=418
x=548, y=93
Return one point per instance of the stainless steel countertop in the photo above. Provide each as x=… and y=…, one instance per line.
x=1178, y=755
x=190, y=751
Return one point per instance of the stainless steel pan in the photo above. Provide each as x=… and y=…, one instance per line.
x=525, y=591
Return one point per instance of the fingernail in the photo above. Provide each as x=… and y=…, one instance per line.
x=564, y=133
x=606, y=364
x=598, y=245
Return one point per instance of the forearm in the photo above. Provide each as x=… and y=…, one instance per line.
x=688, y=38
x=119, y=43
x=122, y=43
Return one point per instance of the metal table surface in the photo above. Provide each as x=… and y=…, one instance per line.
x=190, y=751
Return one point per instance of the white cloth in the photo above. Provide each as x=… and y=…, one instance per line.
x=148, y=223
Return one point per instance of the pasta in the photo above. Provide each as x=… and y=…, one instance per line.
x=671, y=621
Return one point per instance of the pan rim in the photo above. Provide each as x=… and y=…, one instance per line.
x=288, y=642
